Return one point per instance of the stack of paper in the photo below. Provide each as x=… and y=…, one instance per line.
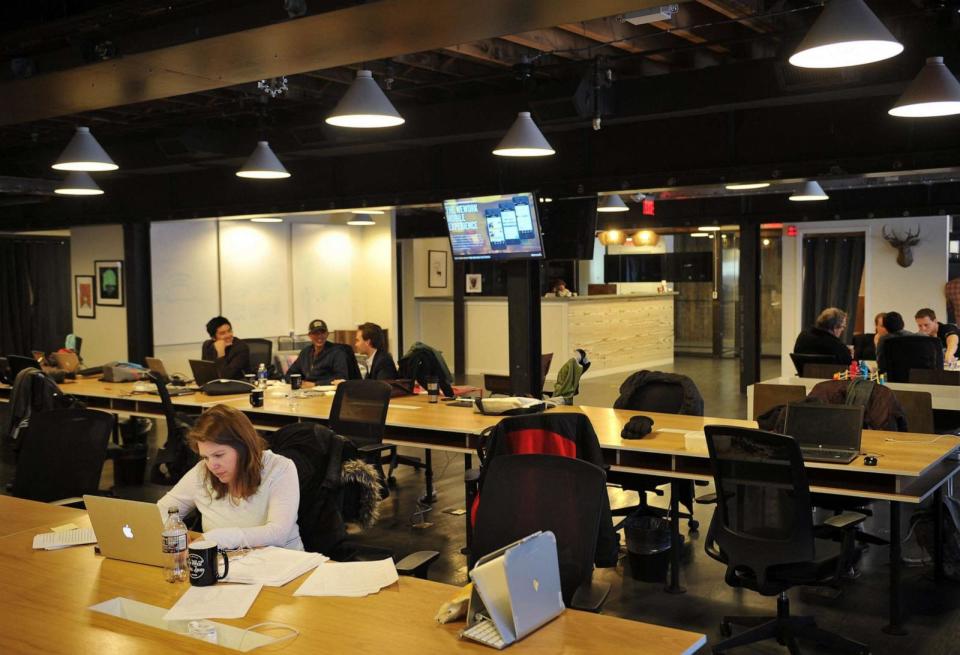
x=64, y=539
x=272, y=566
x=219, y=601
x=349, y=579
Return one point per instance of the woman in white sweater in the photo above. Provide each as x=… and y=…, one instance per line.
x=246, y=496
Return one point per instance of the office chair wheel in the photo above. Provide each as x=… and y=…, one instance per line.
x=391, y=481
x=725, y=630
x=693, y=524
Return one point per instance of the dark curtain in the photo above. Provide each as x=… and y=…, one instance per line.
x=35, y=288
x=832, y=270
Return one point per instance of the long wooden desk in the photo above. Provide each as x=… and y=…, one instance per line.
x=48, y=593
x=910, y=469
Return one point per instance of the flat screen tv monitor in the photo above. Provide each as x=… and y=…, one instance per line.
x=494, y=227
x=569, y=227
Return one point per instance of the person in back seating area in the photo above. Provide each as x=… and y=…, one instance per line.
x=247, y=496
x=892, y=327
x=823, y=338
x=948, y=333
x=230, y=354
x=323, y=361
x=371, y=342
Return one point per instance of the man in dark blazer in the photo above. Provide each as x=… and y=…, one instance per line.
x=371, y=341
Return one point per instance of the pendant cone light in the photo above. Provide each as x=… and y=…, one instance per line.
x=934, y=92
x=78, y=183
x=84, y=153
x=810, y=191
x=361, y=219
x=364, y=105
x=846, y=33
x=263, y=164
x=524, y=139
x=613, y=203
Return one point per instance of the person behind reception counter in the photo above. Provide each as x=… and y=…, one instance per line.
x=247, y=496
x=559, y=289
x=230, y=354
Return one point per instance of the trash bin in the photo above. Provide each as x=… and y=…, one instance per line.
x=648, y=547
x=130, y=465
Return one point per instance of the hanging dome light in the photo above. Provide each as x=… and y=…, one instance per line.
x=263, y=164
x=613, y=203
x=364, y=105
x=934, y=92
x=613, y=237
x=361, y=219
x=84, y=153
x=524, y=139
x=646, y=238
x=846, y=33
x=78, y=183
x=810, y=191
x=746, y=186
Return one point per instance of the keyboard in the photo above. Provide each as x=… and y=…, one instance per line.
x=484, y=631
x=828, y=455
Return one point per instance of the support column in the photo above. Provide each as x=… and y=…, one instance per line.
x=749, y=304
x=459, y=322
x=138, y=291
x=523, y=310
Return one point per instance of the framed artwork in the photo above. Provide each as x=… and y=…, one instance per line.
x=474, y=283
x=437, y=262
x=109, y=276
x=83, y=288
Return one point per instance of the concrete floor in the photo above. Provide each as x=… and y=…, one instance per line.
x=932, y=610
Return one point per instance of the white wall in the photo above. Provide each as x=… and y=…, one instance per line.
x=104, y=337
x=421, y=248
x=887, y=286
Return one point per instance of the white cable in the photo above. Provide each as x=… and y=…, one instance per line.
x=924, y=441
x=270, y=624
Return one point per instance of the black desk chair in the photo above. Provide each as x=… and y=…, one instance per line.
x=930, y=376
x=903, y=353
x=61, y=456
x=359, y=413
x=863, y=346
x=667, y=398
x=763, y=532
x=800, y=360
x=261, y=352
x=19, y=363
x=526, y=493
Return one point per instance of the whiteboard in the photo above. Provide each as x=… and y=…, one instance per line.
x=183, y=262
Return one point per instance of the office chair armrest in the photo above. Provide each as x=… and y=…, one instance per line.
x=845, y=520
x=416, y=564
x=706, y=499
x=590, y=596
x=375, y=448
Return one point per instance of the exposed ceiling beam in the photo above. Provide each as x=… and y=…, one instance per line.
x=377, y=30
x=492, y=51
x=676, y=27
x=738, y=11
x=26, y=186
x=609, y=30
x=559, y=43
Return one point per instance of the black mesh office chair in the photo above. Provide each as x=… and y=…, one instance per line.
x=175, y=457
x=62, y=455
x=802, y=359
x=526, y=493
x=19, y=363
x=664, y=394
x=359, y=413
x=353, y=368
x=863, y=346
x=929, y=376
x=261, y=352
x=911, y=351
x=763, y=532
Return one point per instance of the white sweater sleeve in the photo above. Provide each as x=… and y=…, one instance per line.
x=183, y=494
x=282, y=507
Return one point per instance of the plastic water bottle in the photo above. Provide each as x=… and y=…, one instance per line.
x=174, y=547
x=262, y=375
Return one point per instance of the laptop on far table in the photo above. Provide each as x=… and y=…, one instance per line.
x=126, y=529
x=203, y=371
x=827, y=433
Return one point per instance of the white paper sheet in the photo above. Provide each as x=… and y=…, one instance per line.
x=272, y=566
x=219, y=601
x=349, y=579
x=65, y=539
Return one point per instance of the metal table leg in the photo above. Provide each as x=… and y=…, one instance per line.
x=673, y=587
x=430, y=496
x=938, y=534
x=895, y=626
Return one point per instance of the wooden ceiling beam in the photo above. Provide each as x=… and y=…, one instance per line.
x=738, y=11
x=619, y=35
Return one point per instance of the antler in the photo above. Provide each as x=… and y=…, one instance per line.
x=895, y=240
x=913, y=239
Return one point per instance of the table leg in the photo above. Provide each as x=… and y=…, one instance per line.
x=673, y=587
x=938, y=534
x=895, y=626
x=430, y=496
x=468, y=503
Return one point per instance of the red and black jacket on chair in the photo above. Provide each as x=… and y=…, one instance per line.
x=567, y=434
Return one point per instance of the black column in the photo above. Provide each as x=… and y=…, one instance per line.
x=459, y=322
x=523, y=310
x=749, y=303
x=137, y=288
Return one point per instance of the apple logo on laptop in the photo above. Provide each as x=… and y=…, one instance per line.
x=127, y=531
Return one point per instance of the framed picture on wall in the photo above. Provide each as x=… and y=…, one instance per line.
x=474, y=283
x=437, y=261
x=83, y=288
x=109, y=276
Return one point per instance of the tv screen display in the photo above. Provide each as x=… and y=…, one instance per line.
x=569, y=227
x=494, y=227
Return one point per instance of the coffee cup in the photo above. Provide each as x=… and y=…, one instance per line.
x=433, y=390
x=202, y=560
x=256, y=398
x=296, y=381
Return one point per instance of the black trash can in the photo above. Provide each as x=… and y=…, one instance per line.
x=648, y=547
x=130, y=465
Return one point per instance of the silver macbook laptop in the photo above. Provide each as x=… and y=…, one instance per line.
x=156, y=367
x=126, y=529
x=203, y=371
x=516, y=590
x=827, y=433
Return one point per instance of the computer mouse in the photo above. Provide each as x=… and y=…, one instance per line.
x=869, y=460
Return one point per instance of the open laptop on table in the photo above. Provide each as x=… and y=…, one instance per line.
x=827, y=433
x=516, y=590
x=126, y=529
x=203, y=371
x=156, y=367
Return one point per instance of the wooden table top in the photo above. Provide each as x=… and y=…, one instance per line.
x=48, y=593
x=18, y=515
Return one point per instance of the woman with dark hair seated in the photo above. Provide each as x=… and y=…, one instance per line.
x=230, y=354
x=247, y=496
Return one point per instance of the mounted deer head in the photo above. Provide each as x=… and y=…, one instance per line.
x=903, y=245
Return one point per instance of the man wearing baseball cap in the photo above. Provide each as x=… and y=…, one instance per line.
x=322, y=362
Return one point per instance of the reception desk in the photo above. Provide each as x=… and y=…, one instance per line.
x=621, y=334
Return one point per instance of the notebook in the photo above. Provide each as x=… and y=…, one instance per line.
x=827, y=433
x=516, y=590
x=203, y=371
